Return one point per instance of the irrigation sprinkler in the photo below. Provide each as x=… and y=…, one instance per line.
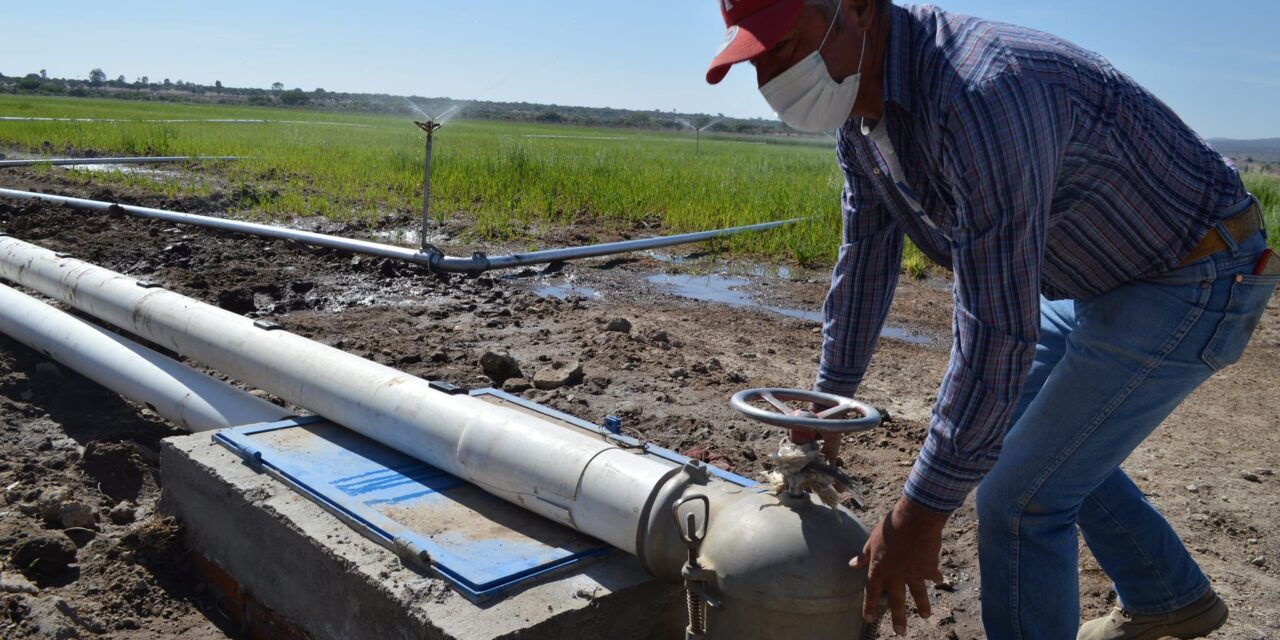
x=429, y=127
x=697, y=131
x=432, y=257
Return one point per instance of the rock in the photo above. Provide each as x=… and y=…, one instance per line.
x=17, y=583
x=44, y=554
x=1193, y=489
x=59, y=510
x=76, y=515
x=500, y=366
x=678, y=373
x=412, y=358
x=516, y=385
x=54, y=617
x=618, y=325
x=736, y=377
x=1251, y=477
x=122, y=513
x=561, y=374
x=1260, y=561
x=51, y=503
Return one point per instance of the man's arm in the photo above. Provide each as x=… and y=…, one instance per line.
x=862, y=283
x=1001, y=147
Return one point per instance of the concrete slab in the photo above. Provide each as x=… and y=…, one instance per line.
x=322, y=578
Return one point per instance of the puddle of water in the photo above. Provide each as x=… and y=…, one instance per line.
x=724, y=290
x=760, y=270
x=563, y=289
x=400, y=236
x=122, y=168
x=898, y=333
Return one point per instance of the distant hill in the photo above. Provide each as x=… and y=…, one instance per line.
x=319, y=99
x=1266, y=150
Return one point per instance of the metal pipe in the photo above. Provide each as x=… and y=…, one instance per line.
x=564, y=474
x=430, y=127
x=480, y=262
x=236, y=226
x=94, y=161
x=182, y=395
x=431, y=258
x=426, y=194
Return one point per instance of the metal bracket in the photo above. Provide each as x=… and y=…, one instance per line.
x=447, y=388
x=412, y=554
x=613, y=424
x=251, y=456
x=147, y=284
x=268, y=325
x=62, y=254
x=698, y=473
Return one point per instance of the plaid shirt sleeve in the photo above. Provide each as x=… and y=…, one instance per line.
x=863, y=281
x=1002, y=147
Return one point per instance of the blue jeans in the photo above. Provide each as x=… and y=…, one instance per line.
x=1107, y=372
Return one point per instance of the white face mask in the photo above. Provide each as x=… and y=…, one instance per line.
x=807, y=98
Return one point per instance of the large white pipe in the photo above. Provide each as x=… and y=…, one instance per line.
x=189, y=398
x=561, y=473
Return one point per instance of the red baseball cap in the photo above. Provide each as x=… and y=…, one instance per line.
x=755, y=26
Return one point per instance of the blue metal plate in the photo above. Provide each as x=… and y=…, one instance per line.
x=483, y=545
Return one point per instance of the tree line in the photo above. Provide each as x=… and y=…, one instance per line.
x=99, y=84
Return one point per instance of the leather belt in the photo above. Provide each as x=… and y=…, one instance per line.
x=1241, y=227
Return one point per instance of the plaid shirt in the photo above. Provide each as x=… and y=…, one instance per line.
x=1038, y=169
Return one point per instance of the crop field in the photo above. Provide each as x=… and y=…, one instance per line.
x=506, y=178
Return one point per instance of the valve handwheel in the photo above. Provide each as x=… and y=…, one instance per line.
x=835, y=414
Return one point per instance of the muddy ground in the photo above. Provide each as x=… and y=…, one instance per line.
x=86, y=554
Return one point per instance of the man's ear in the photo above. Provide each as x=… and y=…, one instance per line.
x=862, y=14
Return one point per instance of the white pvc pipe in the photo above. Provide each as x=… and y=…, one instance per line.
x=189, y=398
x=559, y=472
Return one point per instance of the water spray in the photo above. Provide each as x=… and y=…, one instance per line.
x=697, y=131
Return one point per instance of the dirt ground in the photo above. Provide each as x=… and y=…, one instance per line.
x=86, y=554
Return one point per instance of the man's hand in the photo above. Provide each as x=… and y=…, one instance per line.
x=900, y=555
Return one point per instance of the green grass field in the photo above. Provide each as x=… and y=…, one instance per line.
x=494, y=173
x=500, y=175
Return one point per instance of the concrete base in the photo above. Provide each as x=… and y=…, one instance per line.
x=319, y=576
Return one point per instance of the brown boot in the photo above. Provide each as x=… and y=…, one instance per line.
x=1196, y=620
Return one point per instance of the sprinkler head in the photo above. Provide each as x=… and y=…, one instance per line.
x=429, y=127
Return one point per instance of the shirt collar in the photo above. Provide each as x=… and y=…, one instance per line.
x=897, y=80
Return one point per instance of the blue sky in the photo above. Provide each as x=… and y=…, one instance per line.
x=1216, y=63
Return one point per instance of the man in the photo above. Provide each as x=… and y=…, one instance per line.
x=1106, y=262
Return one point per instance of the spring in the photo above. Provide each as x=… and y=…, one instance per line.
x=697, y=625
